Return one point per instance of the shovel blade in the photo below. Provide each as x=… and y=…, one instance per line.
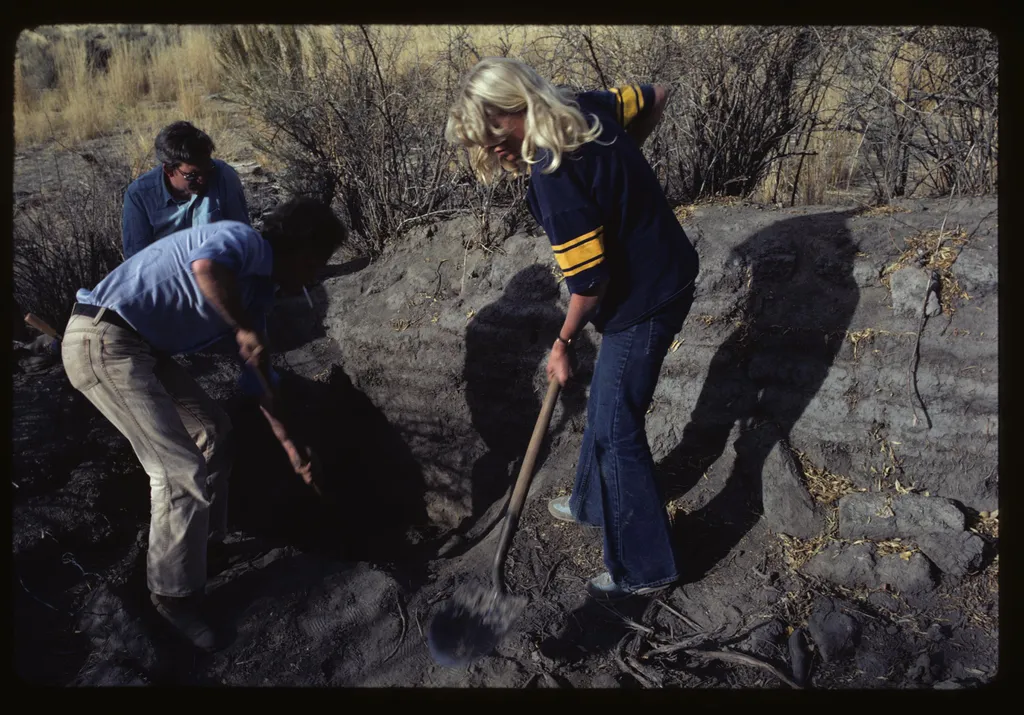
x=471, y=625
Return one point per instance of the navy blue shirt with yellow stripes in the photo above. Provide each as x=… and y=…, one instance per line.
x=607, y=217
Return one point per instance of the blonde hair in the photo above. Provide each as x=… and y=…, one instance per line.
x=504, y=85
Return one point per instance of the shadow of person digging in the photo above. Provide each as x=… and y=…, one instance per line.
x=800, y=300
x=373, y=506
x=507, y=345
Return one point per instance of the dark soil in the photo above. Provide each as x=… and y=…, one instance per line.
x=418, y=380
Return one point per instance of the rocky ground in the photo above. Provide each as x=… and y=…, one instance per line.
x=833, y=529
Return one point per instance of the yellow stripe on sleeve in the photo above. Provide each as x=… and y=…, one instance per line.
x=630, y=98
x=618, y=104
x=583, y=266
x=580, y=253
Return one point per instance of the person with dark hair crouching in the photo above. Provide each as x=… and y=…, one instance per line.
x=176, y=296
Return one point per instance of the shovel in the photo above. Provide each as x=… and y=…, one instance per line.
x=476, y=618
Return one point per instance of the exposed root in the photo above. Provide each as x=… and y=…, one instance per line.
x=744, y=659
x=630, y=666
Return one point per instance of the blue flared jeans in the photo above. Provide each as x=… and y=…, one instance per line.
x=615, y=486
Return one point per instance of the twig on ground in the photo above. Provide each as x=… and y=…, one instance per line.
x=465, y=260
x=685, y=644
x=649, y=674
x=69, y=558
x=401, y=638
x=550, y=575
x=744, y=659
x=933, y=284
x=36, y=598
x=688, y=621
x=621, y=659
x=629, y=621
x=915, y=357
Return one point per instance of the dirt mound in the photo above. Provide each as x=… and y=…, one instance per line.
x=783, y=427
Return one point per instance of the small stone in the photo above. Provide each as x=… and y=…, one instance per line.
x=788, y=507
x=937, y=632
x=948, y=685
x=865, y=273
x=798, y=656
x=908, y=286
x=883, y=600
x=917, y=515
x=892, y=630
x=910, y=575
x=956, y=554
x=977, y=271
x=866, y=516
x=924, y=669
x=835, y=633
x=849, y=566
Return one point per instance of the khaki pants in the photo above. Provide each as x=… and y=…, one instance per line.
x=178, y=433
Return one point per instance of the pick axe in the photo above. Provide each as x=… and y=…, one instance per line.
x=41, y=325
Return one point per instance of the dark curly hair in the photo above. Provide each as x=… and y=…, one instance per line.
x=183, y=143
x=304, y=225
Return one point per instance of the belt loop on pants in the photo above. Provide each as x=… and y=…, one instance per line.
x=99, y=316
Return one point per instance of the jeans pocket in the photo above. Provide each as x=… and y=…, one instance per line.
x=76, y=353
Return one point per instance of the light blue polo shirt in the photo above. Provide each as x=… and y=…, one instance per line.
x=151, y=212
x=157, y=294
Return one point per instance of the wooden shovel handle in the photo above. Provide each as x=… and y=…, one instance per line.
x=539, y=430
x=515, y=505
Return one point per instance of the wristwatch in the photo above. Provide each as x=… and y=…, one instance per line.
x=568, y=343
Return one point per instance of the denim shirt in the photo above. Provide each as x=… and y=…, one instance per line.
x=151, y=212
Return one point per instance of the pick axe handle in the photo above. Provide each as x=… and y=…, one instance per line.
x=268, y=391
x=41, y=325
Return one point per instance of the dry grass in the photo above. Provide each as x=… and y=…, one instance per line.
x=867, y=336
x=986, y=523
x=797, y=552
x=977, y=597
x=883, y=210
x=921, y=250
x=141, y=90
x=173, y=70
x=824, y=487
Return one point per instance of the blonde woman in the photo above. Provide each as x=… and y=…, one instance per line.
x=630, y=270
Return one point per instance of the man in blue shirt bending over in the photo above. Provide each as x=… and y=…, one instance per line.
x=180, y=295
x=188, y=188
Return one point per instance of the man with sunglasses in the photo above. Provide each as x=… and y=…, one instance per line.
x=189, y=188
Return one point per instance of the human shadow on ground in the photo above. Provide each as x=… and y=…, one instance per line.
x=372, y=508
x=801, y=298
x=800, y=301
x=507, y=342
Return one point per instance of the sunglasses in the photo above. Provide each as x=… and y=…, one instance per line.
x=197, y=174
